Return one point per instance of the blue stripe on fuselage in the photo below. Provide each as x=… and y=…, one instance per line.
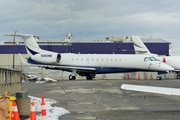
x=31, y=51
x=32, y=61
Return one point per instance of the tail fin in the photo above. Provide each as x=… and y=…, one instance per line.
x=139, y=46
x=31, y=45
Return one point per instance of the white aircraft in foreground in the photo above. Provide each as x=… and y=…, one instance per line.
x=173, y=61
x=89, y=64
x=151, y=89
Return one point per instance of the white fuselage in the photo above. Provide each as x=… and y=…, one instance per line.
x=139, y=46
x=105, y=60
x=105, y=63
x=173, y=61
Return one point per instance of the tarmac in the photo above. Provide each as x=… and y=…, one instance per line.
x=105, y=100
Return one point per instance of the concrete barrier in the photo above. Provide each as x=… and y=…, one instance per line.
x=10, y=80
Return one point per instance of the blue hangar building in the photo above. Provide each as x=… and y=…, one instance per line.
x=114, y=44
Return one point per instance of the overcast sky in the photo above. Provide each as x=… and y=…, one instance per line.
x=52, y=19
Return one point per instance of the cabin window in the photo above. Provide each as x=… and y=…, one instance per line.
x=76, y=59
x=115, y=60
x=92, y=59
x=97, y=59
x=81, y=59
x=111, y=60
x=101, y=59
x=72, y=59
x=106, y=60
x=119, y=60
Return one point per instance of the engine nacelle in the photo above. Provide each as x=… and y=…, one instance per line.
x=47, y=58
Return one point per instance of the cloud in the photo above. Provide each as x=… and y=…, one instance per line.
x=91, y=18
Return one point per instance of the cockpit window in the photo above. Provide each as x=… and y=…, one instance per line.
x=153, y=59
x=150, y=59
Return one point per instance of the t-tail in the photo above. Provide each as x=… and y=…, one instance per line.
x=31, y=45
x=139, y=46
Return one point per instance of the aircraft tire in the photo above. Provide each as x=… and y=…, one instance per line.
x=70, y=77
x=159, y=78
x=73, y=77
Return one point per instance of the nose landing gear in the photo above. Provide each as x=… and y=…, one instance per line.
x=159, y=78
x=72, y=77
x=178, y=77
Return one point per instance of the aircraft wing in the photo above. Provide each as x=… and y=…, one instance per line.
x=69, y=68
x=151, y=89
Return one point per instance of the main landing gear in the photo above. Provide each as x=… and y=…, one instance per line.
x=88, y=77
x=73, y=75
x=159, y=78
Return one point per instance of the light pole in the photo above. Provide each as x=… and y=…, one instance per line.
x=14, y=47
x=48, y=44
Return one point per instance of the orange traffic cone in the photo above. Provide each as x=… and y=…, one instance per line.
x=15, y=113
x=33, y=112
x=43, y=108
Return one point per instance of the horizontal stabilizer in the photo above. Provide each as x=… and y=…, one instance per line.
x=19, y=35
x=151, y=89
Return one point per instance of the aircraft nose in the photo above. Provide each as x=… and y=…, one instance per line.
x=160, y=66
x=166, y=67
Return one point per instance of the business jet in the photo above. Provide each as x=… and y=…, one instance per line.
x=89, y=64
x=173, y=61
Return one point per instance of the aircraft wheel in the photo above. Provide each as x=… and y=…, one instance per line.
x=70, y=77
x=159, y=78
x=73, y=77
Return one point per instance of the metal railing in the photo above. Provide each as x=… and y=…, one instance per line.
x=10, y=81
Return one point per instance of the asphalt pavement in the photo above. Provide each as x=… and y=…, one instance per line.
x=105, y=100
